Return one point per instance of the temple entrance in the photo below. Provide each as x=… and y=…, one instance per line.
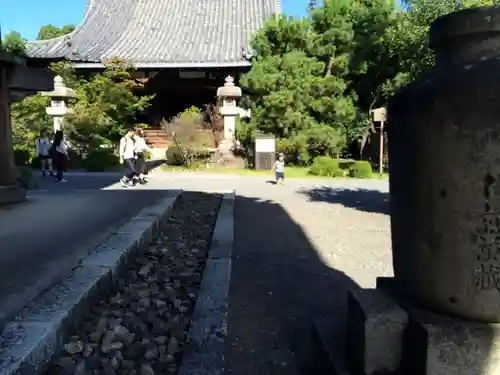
x=171, y=101
x=176, y=90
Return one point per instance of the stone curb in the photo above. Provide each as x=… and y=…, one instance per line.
x=206, y=344
x=31, y=338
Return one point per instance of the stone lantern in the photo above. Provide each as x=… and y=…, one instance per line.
x=229, y=93
x=59, y=102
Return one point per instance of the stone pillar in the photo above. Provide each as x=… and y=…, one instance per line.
x=439, y=314
x=444, y=149
x=229, y=125
x=10, y=191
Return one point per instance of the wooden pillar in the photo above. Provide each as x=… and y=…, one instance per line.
x=10, y=191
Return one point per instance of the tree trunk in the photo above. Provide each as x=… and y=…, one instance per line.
x=329, y=67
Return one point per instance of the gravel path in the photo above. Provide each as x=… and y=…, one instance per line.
x=140, y=329
x=298, y=249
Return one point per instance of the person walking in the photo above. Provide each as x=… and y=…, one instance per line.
x=59, y=154
x=127, y=157
x=141, y=148
x=42, y=147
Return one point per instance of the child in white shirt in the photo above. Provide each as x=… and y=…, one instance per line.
x=279, y=169
x=42, y=146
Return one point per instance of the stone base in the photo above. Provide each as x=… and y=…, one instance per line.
x=437, y=345
x=387, y=334
x=224, y=156
x=375, y=333
x=11, y=194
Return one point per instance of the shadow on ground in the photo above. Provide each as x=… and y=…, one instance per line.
x=152, y=164
x=89, y=180
x=279, y=286
x=360, y=199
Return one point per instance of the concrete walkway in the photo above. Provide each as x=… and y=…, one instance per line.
x=42, y=239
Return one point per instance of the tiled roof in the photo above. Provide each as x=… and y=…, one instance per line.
x=162, y=33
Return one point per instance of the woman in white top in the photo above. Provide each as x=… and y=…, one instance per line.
x=42, y=146
x=60, y=156
x=140, y=147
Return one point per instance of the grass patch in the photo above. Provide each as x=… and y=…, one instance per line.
x=290, y=172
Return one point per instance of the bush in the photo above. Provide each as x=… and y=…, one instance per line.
x=100, y=160
x=295, y=149
x=326, y=166
x=22, y=156
x=174, y=156
x=346, y=164
x=146, y=154
x=361, y=169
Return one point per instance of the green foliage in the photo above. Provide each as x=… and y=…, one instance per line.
x=289, y=93
x=345, y=164
x=51, y=31
x=314, y=81
x=192, y=112
x=407, y=39
x=23, y=155
x=28, y=119
x=191, y=135
x=147, y=155
x=478, y=3
x=245, y=134
x=295, y=148
x=361, y=169
x=174, y=155
x=105, y=105
x=326, y=166
x=100, y=160
x=13, y=43
x=308, y=83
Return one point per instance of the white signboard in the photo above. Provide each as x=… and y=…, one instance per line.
x=380, y=114
x=265, y=145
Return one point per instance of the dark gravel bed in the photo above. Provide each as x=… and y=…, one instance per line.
x=140, y=329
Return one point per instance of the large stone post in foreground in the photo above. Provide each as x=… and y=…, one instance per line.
x=439, y=315
x=445, y=172
x=10, y=191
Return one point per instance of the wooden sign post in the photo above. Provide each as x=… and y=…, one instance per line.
x=380, y=115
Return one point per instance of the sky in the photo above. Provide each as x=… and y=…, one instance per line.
x=27, y=16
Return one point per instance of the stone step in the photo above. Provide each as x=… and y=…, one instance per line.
x=158, y=141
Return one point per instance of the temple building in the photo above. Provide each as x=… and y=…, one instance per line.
x=184, y=47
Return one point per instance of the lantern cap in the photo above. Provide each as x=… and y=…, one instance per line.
x=229, y=90
x=60, y=90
